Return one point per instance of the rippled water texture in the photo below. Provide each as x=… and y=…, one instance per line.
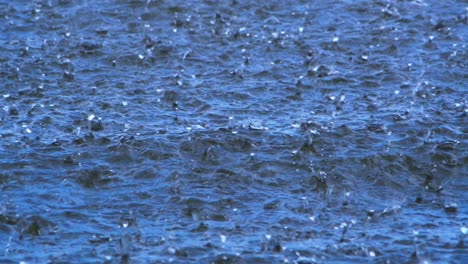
x=233, y=131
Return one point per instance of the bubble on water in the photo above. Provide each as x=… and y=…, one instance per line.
x=28, y=131
x=312, y=218
x=141, y=56
x=371, y=253
x=91, y=117
x=335, y=39
x=464, y=230
x=6, y=95
x=301, y=29
x=268, y=236
x=124, y=103
x=397, y=91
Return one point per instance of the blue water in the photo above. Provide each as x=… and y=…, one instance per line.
x=233, y=132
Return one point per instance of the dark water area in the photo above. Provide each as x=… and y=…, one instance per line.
x=233, y=131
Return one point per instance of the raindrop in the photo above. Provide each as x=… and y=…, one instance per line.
x=171, y=250
x=223, y=238
x=451, y=208
x=464, y=230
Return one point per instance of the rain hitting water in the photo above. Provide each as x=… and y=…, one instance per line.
x=152, y=131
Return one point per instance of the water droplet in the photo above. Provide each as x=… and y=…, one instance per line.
x=141, y=56
x=335, y=39
x=91, y=117
x=371, y=253
x=268, y=236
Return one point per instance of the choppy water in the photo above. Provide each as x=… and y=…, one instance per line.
x=233, y=132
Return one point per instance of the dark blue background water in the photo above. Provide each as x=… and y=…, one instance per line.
x=233, y=131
